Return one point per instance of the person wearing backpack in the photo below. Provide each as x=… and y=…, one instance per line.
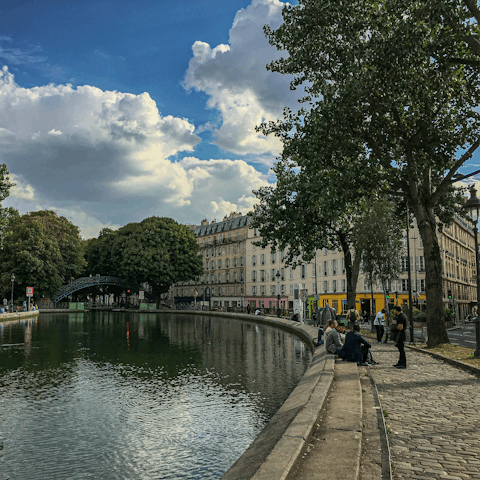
x=352, y=317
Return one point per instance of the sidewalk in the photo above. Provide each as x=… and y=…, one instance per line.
x=432, y=416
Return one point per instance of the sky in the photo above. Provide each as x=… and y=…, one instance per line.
x=114, y=111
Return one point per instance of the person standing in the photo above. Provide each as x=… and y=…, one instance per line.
x=401, y=327
x=248, y=308
x=378, y=324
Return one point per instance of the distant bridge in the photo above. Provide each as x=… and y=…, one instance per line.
x=85, y=282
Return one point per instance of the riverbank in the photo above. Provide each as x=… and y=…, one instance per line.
x=5, y=317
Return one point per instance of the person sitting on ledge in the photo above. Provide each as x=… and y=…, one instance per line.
x=356, y=348
x=333, y=342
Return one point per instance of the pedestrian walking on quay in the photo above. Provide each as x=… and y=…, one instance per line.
x=401, y=328
x=378, y=324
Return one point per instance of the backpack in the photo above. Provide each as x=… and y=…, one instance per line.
x=353, y=316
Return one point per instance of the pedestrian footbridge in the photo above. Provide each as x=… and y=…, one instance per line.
x=92, y=281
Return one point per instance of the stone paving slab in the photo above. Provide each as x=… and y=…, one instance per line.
x=432, y=414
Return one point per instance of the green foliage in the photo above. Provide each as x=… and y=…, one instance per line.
x=42, y=250
x=157, y=250
x=391, y=94
x=378, y=235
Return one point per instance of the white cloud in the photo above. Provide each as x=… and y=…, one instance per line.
x=21, y=190
x=238, y=84
x=104, y=158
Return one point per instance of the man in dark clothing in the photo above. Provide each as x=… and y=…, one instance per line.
x=356, y=348
x=401, y=327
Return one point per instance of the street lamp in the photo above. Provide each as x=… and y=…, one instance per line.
x=473, y=207
x=278, y=293
x=12, y=278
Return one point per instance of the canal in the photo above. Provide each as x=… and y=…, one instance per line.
x=138, y=396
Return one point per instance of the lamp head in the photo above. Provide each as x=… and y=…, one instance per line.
x=473, y=204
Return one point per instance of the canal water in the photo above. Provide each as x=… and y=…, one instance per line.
x=138, y=396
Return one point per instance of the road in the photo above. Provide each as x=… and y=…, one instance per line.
x=463, y=335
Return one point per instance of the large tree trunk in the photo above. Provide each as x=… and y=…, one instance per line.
x=437, y=332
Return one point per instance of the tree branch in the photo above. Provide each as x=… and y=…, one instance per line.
x=474, y=10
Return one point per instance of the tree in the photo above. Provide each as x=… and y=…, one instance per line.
x=380, y=82
x=158, y=251
x=42, y=250
x=378, y=237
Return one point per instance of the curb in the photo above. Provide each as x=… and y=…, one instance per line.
x=451, y=361
x=382, y=428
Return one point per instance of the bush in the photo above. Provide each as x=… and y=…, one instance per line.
x=419, y=316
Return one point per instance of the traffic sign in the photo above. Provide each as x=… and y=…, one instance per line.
x=29, y=291
x=141, y=294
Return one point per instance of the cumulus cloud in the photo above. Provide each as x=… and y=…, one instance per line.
x=104, y=158
x=235, y=78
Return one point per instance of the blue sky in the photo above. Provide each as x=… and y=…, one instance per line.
x=111, y=112
x=114, y=111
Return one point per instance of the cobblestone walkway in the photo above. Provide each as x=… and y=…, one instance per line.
x=433, y=416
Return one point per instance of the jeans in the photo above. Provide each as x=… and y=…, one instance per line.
x=401, y=348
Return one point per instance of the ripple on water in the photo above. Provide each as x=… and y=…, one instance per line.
x=112, y=413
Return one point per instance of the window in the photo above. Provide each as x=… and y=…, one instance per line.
x=242, y=276
x=235, y=248
x=325, y=251
x=325, y=267
x=227, y=249
x=235, y=276
x=291, y=273
x=282, y=255
x=235, y=262
x=342, y=265
x=219, y=278
x=421, y=264
x=334, y=286
x=254, y=260
x=254, y=290
x=304, y=271
x=242, y=261
x=405, y=285
x=325, y=286
x=264, y=290
x=291, y=289
x=272, y=290
x=344, y=285
x=314, y=273
x=421, y=285
x=227, y=277
x=282, y=289
x=241, y=248
x=273, y=257
x=282, y=274
x=254, y=275
x=404, y=264
x=219, y=264
x=219, y=250
x=263, y=275
x=273, y=274
x=220, y=291
x=334, y=266
x=366, y=285
x=262, y=259
x=227, y=263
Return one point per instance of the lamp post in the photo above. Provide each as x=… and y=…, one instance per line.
x=473, y=207
x=278, y=293
x=12, y=278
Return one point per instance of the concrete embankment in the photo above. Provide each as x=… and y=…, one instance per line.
x=5, y=317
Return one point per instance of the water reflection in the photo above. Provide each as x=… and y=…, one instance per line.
x=127, y=396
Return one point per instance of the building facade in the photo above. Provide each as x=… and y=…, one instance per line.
x=239, y=273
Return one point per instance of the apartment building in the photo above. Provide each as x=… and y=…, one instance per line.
x=239, y=273
x=222, y=246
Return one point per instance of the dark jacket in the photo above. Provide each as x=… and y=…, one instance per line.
x=353, y=346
